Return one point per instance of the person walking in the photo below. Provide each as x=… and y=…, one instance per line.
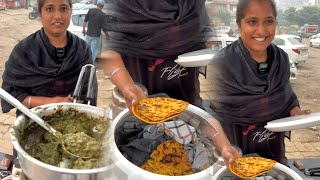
x=95, y=19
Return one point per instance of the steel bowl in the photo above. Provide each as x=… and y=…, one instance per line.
x=37, y=170
x=194, y=116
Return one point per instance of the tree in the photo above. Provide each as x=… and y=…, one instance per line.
x=306, y=15
x=290, y=15
x=224, y=16
x=309, y=15
x=281, y=18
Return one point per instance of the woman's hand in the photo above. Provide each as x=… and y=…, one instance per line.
x=229, y=154
x=132, y=95
x=297, y=111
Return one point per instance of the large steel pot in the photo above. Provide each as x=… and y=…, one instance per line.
x=37, y=170
x=192, y=115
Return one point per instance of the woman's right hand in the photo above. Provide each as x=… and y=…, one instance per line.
x=132, y=95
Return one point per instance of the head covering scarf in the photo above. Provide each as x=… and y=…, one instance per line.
x=156, y=29
x=32, y=69
x=242, y=95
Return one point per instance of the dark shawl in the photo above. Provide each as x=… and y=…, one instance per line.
x=243, y=95
x=156, y=29
x=32, y=70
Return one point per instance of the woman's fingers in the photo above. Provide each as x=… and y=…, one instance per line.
x=229, y=154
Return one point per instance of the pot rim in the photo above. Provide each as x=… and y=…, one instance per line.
x=278, y=166
x=23, y=153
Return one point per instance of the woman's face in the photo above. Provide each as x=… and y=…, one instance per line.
x=258, y=26
x=55, y=16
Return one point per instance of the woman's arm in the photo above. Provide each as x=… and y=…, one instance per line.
x=114, y=68
x=297, y=111
x=33, y=101
x=221, y=142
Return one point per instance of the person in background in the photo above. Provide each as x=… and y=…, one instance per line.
x=252, y=83
x=143, y=44
x=47, y=72
x=95, y=19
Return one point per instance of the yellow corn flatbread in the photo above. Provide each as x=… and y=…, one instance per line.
x=250, y=167
x=169, y=159
x=159, y=109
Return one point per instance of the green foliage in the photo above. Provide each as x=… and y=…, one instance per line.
x=281, y=18
x=224, y=16
x=306, y=15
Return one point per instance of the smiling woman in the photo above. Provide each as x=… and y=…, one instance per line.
x=252, y=83
x=48, y=72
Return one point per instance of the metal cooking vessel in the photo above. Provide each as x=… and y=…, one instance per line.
x=37, y=170
x=194, y=116
x=278, y=172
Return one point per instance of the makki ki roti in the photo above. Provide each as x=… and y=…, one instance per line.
x=169, y=159
x=250, y=167
x=158, y=109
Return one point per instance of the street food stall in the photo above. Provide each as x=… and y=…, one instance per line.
x=121, y=167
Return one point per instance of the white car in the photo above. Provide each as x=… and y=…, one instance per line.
x=222, y=29
x=217, y=43
x=296, y=51
x=77, y=19
x=315, y=41
x=311, y=37
x=84, y=4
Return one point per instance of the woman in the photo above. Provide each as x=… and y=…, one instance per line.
x=44, y=67
x=145, y=41
x=252, y=82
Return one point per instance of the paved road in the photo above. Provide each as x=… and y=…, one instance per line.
x=302, y=145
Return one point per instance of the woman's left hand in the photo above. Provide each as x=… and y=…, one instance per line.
x=297, y=111
x=229, y=154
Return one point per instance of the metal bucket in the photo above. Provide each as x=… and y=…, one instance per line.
x=37, y=170
x=194, y=116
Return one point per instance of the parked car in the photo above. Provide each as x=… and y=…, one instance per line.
x=296, y=51
x=84, y=4
x=223, y=29
x=315, y=41
x=295, y=37
x=313, y=36
x=77, y=19
x=217, y=43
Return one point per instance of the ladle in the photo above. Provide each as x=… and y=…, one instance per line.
x=13, y=101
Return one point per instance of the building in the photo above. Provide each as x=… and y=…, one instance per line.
x=228, y=5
